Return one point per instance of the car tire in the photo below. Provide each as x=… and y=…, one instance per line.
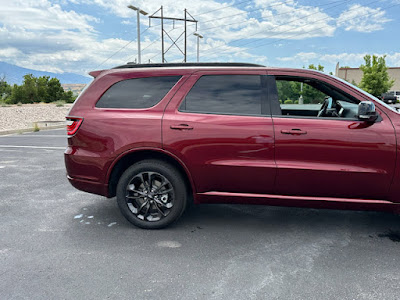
x=152, y=194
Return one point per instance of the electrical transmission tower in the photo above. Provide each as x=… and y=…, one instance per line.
x=174, y=41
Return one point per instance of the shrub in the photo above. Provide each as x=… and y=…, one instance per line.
x=288, y=101
x=60, y=103
x=35, y=127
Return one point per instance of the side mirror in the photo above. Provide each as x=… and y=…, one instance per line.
x=367, y=112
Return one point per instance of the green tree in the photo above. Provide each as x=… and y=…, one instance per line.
x=18, y=94
x=41, y=85
x=29, y=85
x=5, y=89
x=68, y=97
x=375, y=78
x=54, y=90
x=35, y=89
x=288, y=90
x=318, y=68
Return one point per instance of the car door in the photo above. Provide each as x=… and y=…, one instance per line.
x=220, y=127
x=330, y=156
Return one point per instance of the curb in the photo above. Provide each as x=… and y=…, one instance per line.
x=45, y=127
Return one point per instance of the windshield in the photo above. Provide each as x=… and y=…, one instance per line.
x=367, y=94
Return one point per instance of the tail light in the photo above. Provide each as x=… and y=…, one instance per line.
x=73, y=124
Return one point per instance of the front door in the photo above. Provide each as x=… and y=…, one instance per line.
x=322, y=149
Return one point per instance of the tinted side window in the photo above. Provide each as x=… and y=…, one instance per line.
x=225, y=94
x=137, y=93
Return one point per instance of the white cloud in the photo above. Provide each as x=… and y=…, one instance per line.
x=43, y=35
x=43, y=15
x=10, y=52
x=362, y=19
x=127, y=22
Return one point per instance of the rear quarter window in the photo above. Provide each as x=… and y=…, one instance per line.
x=137, y=92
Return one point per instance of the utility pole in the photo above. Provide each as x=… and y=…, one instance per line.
x=139, y=11
x=199, y=36
x=301, y=100
x=165, y=33
x=184, y=59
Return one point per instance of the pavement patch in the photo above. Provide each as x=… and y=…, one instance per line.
x=169, y=244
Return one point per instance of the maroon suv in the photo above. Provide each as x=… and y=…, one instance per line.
x=161, y=136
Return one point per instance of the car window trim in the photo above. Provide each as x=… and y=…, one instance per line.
x=273, y=96
x=263, y=95
x=141, y=108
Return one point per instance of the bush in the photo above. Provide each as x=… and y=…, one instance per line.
x=60, y=103
x=34, y=90
x=296, y=101
x=288, y=101
x=36, y=127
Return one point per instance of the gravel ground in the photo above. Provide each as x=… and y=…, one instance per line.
x=23, y=117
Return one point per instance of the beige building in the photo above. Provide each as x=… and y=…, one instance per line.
x=356, y=74
x=75, y=88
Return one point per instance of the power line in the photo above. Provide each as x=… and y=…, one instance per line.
x=333, y=2
x=262, y=18
x=234, y=4
x=158, y=40
x=295, y=20
x=248, y=11
x=123, y=47
x=319, y=28
x=367, y=14
x=245, y=12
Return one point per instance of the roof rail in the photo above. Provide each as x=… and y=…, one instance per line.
x=208, y=64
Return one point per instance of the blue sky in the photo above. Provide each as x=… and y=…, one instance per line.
x=82, y=35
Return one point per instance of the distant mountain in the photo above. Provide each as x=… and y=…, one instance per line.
x=14, y=74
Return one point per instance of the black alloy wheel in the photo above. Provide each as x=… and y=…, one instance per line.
x=151, y=194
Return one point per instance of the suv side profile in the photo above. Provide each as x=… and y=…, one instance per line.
x=161, y=136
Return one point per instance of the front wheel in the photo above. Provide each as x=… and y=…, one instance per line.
x=151, y=194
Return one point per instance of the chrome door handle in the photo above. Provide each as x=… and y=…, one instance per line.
x=294, y=131
x=181, y=127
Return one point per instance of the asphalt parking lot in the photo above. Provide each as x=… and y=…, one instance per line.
x=60, y=243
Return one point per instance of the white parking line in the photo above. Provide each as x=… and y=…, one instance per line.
x=24, y=136
x=32, y=147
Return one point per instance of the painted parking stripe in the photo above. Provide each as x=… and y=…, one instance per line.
x=25, y=136
x=32, y=147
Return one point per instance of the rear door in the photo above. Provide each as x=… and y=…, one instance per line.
x=219, y=125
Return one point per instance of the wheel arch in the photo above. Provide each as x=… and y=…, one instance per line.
x=128, y=158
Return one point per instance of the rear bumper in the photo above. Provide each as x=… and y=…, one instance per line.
x=89, y=186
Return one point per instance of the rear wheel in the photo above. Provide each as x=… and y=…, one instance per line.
x=151, y=194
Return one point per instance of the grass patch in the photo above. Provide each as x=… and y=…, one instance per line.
x=35, y=127
x=60, y=103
